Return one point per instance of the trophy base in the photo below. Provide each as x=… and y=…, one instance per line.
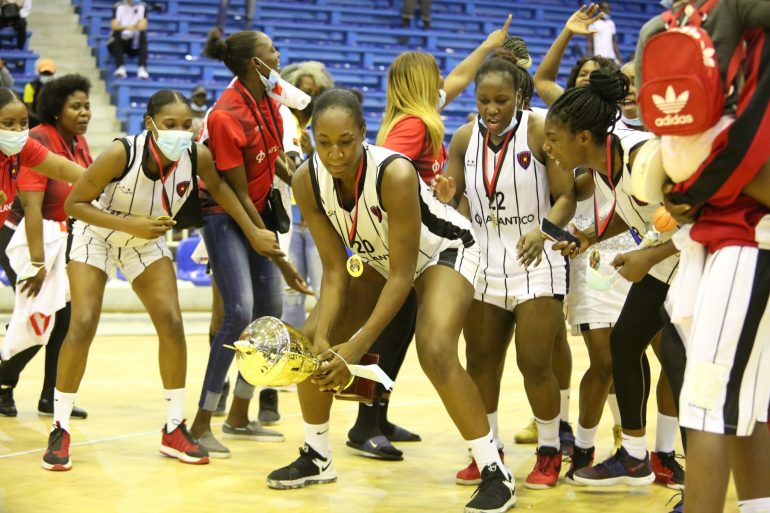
x=361, y=390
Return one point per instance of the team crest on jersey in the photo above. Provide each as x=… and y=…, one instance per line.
x=524, y=158
x=181, y=187
x=377, y=212
x=261, y=156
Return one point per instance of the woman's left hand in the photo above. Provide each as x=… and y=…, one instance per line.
x=32, y=286
x=530, y=248
x=633, y=265
x=292, y=276
x=333, y=374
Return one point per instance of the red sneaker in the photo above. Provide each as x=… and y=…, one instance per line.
x=667, y=470
x=57, y=456
x=470, y=475
x=180, y=445
x=546, y=471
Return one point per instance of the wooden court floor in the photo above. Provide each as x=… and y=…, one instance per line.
x=117, y=468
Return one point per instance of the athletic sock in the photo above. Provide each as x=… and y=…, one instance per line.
x=548, y=433
x=564, y=407
x=665, y=433
x=635, y=446
x=755, y=505
x=63, y=403
x=174, y=407
x=386, y=427
x=317, y=437
x=485, y=453
x=612, y=402
x=492, y=419
x=367, y=424
x=585, y=438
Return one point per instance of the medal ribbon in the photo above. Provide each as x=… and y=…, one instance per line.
x=163, y=178
x=490, y=185
x=601, y=226
x=354, y=215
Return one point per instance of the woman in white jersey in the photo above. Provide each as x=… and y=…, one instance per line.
x=124, y=204
x=581, y=131
x=498, y=161
x=370, y=200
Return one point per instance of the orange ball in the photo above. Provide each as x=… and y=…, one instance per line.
x=662, y=220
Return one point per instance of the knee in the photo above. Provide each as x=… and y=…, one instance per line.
x=534, y=367
x=482, y=359
x=438, y=365
x=238, y=314
x=82, y=328
x=601, y=367
x=172, y=326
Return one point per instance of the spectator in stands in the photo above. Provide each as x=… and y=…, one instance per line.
x=13, y=13
x=603, y=42
x=199, y=107
x=312, y=78
x=407, y=12
x=64, y=111
x=6, y=79
x=129, y=36
x=46, y=69
x=248, y=19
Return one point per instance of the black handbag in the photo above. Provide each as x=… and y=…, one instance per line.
x=279, y=217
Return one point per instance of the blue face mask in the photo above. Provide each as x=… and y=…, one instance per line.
x=631, y=122
x=441, y=99
x=172, y=143
x=11, y=143
x=271, y=81
x=594, y=277
x=668, y=4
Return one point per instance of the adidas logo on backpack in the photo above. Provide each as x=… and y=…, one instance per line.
x=671, y=105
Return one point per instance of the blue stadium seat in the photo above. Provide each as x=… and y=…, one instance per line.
x=188, y=270
x=4, y=278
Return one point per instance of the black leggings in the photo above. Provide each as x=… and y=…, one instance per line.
x=637, y=325
x=393, y=342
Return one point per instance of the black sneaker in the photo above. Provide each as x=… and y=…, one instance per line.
x=221, y=410
x=7, y=404
x=309, y=468
x=57, y=456
x=580, y=458
x=495, y=494
x=566, y=438
x=667, y=470
x=268, y=407
x=45, y=409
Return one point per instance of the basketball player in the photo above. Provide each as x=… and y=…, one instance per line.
x=370, y=200
x=499, y=163
x=138, y=186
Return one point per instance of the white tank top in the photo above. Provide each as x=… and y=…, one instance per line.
x=636, y=214
x=442, y=227
x=136, y=194
x=505, y=207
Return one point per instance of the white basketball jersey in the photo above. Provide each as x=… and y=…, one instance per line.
x=443, y=227
x=636, y=214
x=135, y=193
x=506, y=206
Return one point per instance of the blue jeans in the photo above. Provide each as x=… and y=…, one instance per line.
x=251, y=287
x=304, y=255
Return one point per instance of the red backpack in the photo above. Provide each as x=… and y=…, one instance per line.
x=682, y=91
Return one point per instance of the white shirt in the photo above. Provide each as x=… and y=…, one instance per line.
x=128, y=15
x=605, y=31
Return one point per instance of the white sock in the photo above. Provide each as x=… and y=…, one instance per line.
x=62, y=408
x=755, y=505
x=612, y=402
x=564, y=409
x=636, y=446
x=485, y=452
x=492, y=419
x=317, y=437
x=665, y=433
x=174, y=407
x=548, y=433
x=585, y=437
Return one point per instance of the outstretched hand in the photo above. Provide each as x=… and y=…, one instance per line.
x=498, y=37
x=581, y=19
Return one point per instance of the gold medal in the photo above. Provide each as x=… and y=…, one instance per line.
x=355, y=266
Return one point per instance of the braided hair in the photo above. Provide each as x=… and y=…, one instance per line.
x=595, y=106
x=505, y=62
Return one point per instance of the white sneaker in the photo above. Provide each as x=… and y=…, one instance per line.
x=120, y=72
x=142, y=73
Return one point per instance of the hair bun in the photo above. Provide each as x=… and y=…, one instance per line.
x=508, y=55
x=215, y=46
x=612, y=86
x=518, y=48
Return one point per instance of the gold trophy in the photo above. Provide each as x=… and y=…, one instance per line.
x=273, y=353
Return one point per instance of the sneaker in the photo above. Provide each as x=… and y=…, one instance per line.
x=546, y=471
x=251, y=431
x=45, y=409
x=471, y=475
x=621, y=468
x=213, y=446
x=617, y=437
x=580, y=458
x=667, y=470
x=528, y=435
x=57, y=455
x=7, y=404
x=268, y=407
x=309, y=468
x=221, y=410
x=141, y=73
x=180, y=445
x=496, y=492
x=120, y=72
x=567, y=438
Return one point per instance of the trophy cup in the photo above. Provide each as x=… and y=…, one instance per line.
x=273, y=353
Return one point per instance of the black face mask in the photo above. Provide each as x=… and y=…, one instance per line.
x=308, y=111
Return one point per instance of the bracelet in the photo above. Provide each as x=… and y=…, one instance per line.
x=37, y=264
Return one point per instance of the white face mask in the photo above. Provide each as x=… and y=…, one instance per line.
x=271, y=81
x=44, y=79
x=511, y=125
x=441, y=99
x=173, y=142
x=11, y=143
x=595, y=278
x=631, y=122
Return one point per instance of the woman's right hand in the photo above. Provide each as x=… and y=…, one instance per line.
x=570, y=249
x=264, y=242
x=581, y=19
x=148, y=227
x=498, y=37
x=444, y=188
